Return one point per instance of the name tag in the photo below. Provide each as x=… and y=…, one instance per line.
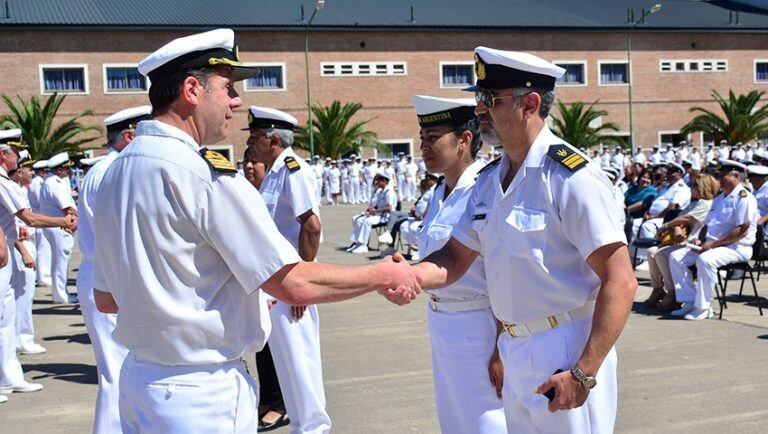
x=478, y=217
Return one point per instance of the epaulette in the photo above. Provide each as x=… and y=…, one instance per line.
x=743, y=193
x=490, y=165
x=217, y=161
x=567, y=156
x=291, y=164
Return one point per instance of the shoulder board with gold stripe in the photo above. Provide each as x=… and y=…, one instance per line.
x=490, y=165
x=567, y=156
x=291, y=164
x=217, y=161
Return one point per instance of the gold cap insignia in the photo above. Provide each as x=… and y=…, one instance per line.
x=479, y=68
x=562, y=152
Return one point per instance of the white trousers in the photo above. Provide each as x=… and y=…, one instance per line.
x=295, y=347
x=707, y=263
x=327, y=188
x=23, y=284
x=361, y=227
x=319, y=190
x=354, y=190
x=61, y=249
x=346, y=192
x=366, y=188
x=204, y=399
x=43, y=258
x=10, y=368
x=400, y=187
x=109, y=354
x=530, y=361
x=410, y=189
x=462, y=345
x=409, y=232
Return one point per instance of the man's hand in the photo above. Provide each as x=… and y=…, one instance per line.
x=709, y=245
x=70, y=223
x=569, y=393
x=406, y=284
x=23, y=234
x=298, y=312
x=496, y=372
x=29, y=261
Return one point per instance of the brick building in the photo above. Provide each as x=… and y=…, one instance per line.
x=380, y=54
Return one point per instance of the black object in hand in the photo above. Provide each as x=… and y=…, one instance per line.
x=550, y=394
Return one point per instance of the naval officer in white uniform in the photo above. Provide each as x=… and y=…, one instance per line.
x=556, y=262
x=731, y=228
x=42, y=247
x=110, y=355
x=182, y=244
x=56, y=201
x=288, y=190
x=466, y=368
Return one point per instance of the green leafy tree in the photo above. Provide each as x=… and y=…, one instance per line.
x=36, y=123
x=742, y=121
x=573, y=126
x=334, y=132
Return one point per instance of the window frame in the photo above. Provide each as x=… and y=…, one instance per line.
x=444, y=63
x=754, y=71
x=585, y=66
x=674, y=145
x=687, y=64
x=370, y=64
x=43, y=66
x=283, y=69
x=107, y=91
x=600, y=63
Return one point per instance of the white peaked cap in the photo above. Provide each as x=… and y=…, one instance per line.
x=42, y=164
x=128, y=114
x=267, y=117
x=57, y=160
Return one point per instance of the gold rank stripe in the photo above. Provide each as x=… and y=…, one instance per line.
x=573, y=160
x=219, y=162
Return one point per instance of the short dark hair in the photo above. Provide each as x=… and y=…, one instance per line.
x=165, y=90
x=473, y=127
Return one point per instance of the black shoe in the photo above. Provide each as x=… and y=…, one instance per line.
x=274, y=425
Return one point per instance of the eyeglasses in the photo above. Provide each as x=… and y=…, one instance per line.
x=489, y=99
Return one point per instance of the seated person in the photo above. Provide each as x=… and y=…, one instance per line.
x=757, y=176
x=691, y=219
x=409, y=229
x=730, y=234
x=396, y=218
x=383, y=202
x=675, y=197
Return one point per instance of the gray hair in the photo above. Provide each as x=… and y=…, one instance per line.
x=115, y=136
x=547, y=98
x=285, y=136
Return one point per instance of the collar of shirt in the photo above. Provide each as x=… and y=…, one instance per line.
x=736, y=190
x=280, y=161
x=3, y=173
x=468, y=176
x=535, y=158
x=161, y=129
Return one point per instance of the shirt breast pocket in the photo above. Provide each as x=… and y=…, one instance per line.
x=525, y=233
x=437, y=236
x=480, y=219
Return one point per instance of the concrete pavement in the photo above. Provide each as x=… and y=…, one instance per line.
x=674, y=376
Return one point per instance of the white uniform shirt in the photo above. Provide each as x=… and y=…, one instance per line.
x=655, y=158
x=444, y=213
x=422, y=169
x=723, y=152
x=639, y=158
x=618, y=160
x=56, y=196
x=370, y=172
x=682, y=154
x=400, y=167
x=10, y=203
x=334, y=179
x=738, y=154
x=749, y=154
x=289, y=194
x=695, y=158
x=390, y=173
x=383, y=198
x=422, y=203
x=678, y=193
x=536, y=236
x=354, y=172
x=411, y=170
x=605, y=159
x=669, y=156
x=761, y=195
x=344, y=171
x=730, y=211
x=34, y=192
x=85, y=204
x=711, y=155
x=23, y=195
x=183, y=250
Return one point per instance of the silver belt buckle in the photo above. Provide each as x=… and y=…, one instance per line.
x=433, y=303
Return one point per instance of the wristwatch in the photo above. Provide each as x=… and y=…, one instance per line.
x=586, y=381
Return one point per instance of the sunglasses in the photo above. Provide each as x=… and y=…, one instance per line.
x=489, y=99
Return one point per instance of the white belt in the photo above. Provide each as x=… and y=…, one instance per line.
x=549, y=322
x=455, y=305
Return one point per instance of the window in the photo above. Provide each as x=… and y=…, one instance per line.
x=124, y=79
x=339, y=69
x=269, y=78
x=671, y=137
x=613, y=73
x=575, y=73
x=622, y=135
x=693, y=65
x=71, y=79
x=391, y=148
x=457, y=74
x=761, y=71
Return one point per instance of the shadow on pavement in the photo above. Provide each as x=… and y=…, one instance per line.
x=73, y=372
x=80, y=338
x=58, y=310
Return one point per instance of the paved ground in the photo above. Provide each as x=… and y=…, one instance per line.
x=674, y=376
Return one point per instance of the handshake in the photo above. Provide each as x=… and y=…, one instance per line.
x=403, y=283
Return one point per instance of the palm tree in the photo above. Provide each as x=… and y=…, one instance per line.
x=36, y=124
x=743, y=120
x=574, y=126
x=333, y=134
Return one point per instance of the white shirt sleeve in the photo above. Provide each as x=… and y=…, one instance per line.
x=744, y=210
x=590, y=217
x=233, y=218
x=299, y=193
x=463, y=230
x=10, y=200
x=63, y=197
